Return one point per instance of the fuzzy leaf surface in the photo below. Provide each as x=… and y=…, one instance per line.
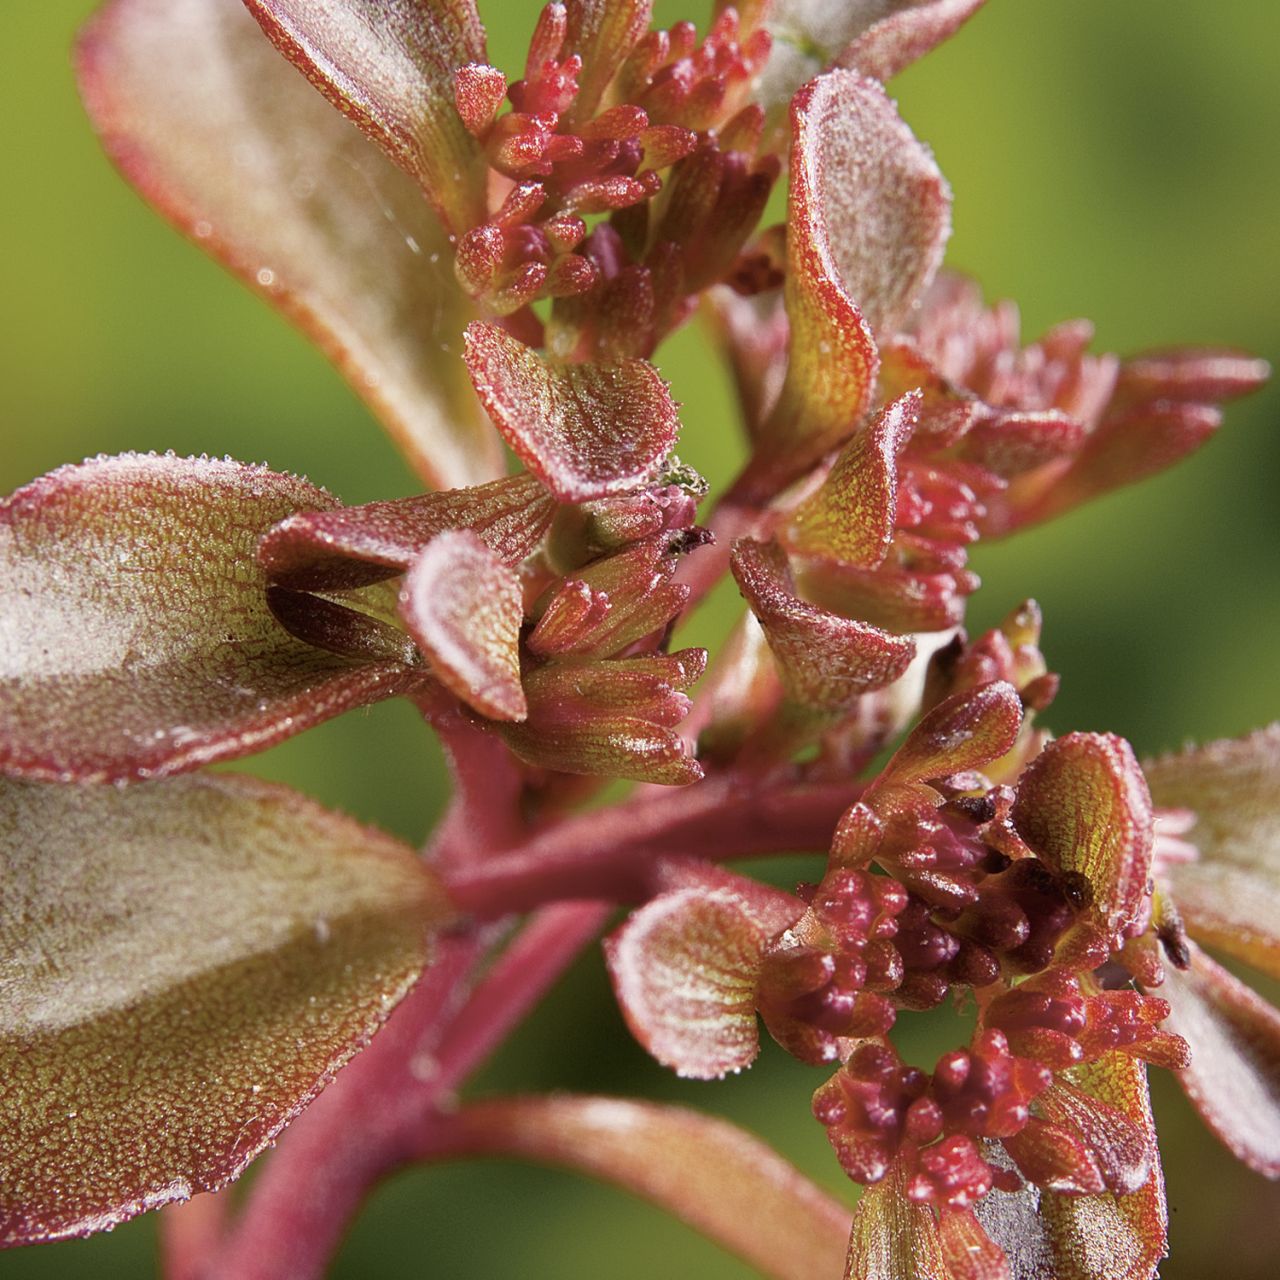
x=135, y=626
x=585, y=430
x=185, y=964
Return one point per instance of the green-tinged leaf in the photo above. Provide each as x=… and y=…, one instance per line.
x=723, y=1182
x=877, y=37
x=1084, y=807
x=389, y=66
x=893, y=1238
x=1234, y=1076
x=685, y=968
x=966, y=731
x=868, y=216
x=585, y=430
x=214, y=128
x=464, y=608
x=825, y=662
x=355, y=545
x=1231, y=896
x=851, y=516
x=183, y=966
x=135, y=626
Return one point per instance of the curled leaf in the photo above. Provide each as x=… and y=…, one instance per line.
x=464, y=608
x=585, y=430
x=685, y=967
x=389, y=65
x=825, y=662
x=851, y=517
x=136, y=627
x=877, y=37
x=966, y=731
x=352, y=546
x=232, y=146
x=1084, y=807
x=185, y=964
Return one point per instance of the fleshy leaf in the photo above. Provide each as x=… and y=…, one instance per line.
x=389, y=65
x=966, y=731
x=868, y=216
x=1083, y=805
x=1126, y=448
x=1234, y=1076
x=611, y=718
x=1228, y=897
x=206, y=119
x=352, y=546
x=877, y=37
x=585, y=430
x=851, y=517
x=185, y=964
x=893, y=1238
x=685, y=967
x=464, y=608
x=135, y=625
x=826, y=662
x=882, y=206
x=602, y=33
x=1197, y=375
x=723, y=1182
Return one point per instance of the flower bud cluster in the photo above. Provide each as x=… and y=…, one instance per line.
x=677, y=106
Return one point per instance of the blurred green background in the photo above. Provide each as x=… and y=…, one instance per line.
x=1114, y=160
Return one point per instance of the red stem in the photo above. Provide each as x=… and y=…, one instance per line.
x=365, y=1124
x=610, y=853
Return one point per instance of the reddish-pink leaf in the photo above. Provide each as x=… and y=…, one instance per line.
x=585, y=430
x=826, y=662
x=464, y=608
x=1122, y=1146
x=602, y=33
x=352, y=546
x=877, y=37
x=389, y=66
x=894, y=1238
x=685, y=968
x=869, y=195
x=1084, y=807
x=135, y=624
x=1012, y=443
x=1234, y=1076
x=851, y=517
x=907, y=31
x=1127, y=448
x=186, y=964
x=1228, y=896
x=723, y=1182
x=611, y=718
x=232, y=146
x=968, y=730
x=1199, y=375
